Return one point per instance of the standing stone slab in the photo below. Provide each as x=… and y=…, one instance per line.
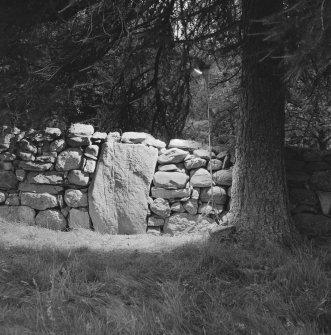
x=118, y=195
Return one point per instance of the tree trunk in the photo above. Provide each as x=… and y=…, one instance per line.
x=260, y=201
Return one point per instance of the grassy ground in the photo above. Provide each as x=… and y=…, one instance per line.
x=215, y=288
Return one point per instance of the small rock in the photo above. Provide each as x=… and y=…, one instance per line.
x=69, y=159
x=57, y=145
x=2, y=197
x=325, y=201
x=39, y=201
x=52, y=133
x=53, y=178
x=79, y=129
x=207, y=208
x=223, y=177
x=161, y=207
x=79, y=141
x=216, y=164
x=7, y=157
x=177, y=207
x=26, y=146
x=203, y=153
x=78, y=177
x=184, y=144
x=172, y=167
x=170, y=194
x=51, y=219
x=172, y=156
x=154, y=221
x=191, y=206
x=13, y=200
x=195, y=163
x=219, y=195
x=195, y=193
x=26, y=156
x=79, y=218
x=32, y=166
x=75, y=198
x=46, y=159
x=151, y=141
x=89, y=165
x=200, y=178
x=155, y=231
x=20, y=174
x=114, y=137
x=92, y=151
x=134, y=137
x=99, y=136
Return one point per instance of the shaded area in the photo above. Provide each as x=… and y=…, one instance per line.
x=217, y=288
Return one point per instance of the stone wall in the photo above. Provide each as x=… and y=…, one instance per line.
x=47, y=179
x=44, y=175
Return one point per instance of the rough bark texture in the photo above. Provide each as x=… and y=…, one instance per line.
x=260, y=202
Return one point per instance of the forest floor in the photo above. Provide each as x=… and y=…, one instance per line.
x=85, y=283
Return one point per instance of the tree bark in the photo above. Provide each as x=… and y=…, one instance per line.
x=260, y=205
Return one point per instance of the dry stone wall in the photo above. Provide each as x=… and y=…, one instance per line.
x=44, y=175
x=133, y=183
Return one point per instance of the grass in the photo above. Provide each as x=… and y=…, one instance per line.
x=215, y=288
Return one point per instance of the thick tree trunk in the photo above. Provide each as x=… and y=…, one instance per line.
x=260, y=202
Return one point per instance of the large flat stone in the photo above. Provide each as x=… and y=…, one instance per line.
x=170, y=194
x=8, y=180
x=18, y=214
x=118, y=195
x=40, y=201
x=36, y=188
x=170, y=180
